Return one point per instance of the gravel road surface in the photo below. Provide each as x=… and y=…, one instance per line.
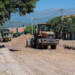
x=29, y=61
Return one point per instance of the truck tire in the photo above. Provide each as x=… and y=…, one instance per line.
x=33, y=43
x=38, y=45
x=45, y=47
x=53, y=46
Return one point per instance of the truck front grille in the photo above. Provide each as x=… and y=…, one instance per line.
x=49, y=36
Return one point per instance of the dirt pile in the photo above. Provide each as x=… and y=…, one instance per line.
x=19, y=42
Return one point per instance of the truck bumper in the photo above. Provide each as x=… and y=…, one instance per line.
x=7, y=39
x=49, y=41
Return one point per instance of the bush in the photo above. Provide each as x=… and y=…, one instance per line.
x=28, y=29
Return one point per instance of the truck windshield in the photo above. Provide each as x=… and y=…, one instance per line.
x=44, y=27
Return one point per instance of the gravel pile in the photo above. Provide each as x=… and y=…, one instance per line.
x=19, y=42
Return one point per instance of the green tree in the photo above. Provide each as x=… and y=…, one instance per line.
x=68, y=25
x=28, y=29
x=9, y=6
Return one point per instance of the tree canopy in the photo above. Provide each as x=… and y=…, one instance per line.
x=28, y=29
x=63, y=27
x=9, y=6
x=68, y=24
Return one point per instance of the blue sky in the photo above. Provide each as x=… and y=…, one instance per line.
x=45, y=4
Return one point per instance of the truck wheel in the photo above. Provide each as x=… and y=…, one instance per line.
x=53, y=46
x=45, y=47
x=33, y=43
x=38, y=46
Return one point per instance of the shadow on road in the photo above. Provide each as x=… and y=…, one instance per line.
x=69, y=47
x=2, y=46
x=13, y=50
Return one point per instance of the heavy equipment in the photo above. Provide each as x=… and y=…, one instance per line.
x=43, y=37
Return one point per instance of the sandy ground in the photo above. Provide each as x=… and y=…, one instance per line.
x=3, y=65
x=47, y=62
x=39, y=62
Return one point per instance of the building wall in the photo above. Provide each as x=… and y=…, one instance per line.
x=15, y=30
x=69, y=36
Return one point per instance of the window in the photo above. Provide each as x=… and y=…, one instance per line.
x=44, y=27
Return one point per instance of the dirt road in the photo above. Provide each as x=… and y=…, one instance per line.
x=46, y=62
x=40, y=62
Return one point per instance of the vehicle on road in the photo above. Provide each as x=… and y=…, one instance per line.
x=43, y=37
x=5, y=35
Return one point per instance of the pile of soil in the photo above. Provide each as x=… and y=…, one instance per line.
x=19, y=42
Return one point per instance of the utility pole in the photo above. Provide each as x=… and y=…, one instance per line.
x=32, y=22
x=62, y=21
x=23, y=28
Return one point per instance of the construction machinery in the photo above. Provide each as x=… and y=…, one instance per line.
x=43, y=37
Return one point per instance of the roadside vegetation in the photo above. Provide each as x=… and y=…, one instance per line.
x=29, y=29
x=65, y=26
x=12, y=6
